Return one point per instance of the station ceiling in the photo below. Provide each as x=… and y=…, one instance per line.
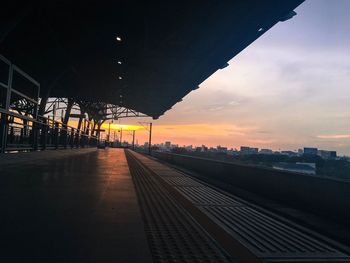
x=144, y=55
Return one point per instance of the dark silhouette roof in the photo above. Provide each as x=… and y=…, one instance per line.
x=166, y=48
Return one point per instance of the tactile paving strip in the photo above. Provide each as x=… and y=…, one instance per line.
x=205, y=196
x=181, y=181
x=270, y=238
x=173, y=234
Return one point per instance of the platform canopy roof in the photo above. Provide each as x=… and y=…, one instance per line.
x=144, y=55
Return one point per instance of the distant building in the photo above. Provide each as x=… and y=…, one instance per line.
x=221, y=149
x=254, y=150
x=327, y=154
x=304, y=168
x=249, y=150
x=167, y=145
x=204, y=148
x=289, y=153
x=266, y=151
x=189, y=148
x=310, y=151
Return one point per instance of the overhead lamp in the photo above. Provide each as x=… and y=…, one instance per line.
x=119, y=62
x=118, y=38
x=260, y=29
x=120, y=78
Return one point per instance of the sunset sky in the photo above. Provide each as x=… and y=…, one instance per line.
x=287, y=90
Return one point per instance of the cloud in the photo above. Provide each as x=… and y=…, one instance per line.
x=263, y=132
x=215, y=107
x=233, y=103
x=261, y=141
x=334, y=136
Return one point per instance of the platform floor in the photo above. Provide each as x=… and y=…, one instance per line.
x=112, y=205
x=70, y=206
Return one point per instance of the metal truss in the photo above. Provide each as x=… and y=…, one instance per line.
x=105, y=111
x=24, y=107
x=118, y=112
x=56, y=104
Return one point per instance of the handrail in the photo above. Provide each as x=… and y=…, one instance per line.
x=34, y=130
x=17, y=115
x=41, y=134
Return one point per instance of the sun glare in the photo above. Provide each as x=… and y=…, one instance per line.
x=124, y=127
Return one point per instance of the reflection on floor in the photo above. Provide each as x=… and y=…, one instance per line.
x=78, y=208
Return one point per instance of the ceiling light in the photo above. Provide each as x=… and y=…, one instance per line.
x=120, y=78
x=119, y=62
x=118, y=38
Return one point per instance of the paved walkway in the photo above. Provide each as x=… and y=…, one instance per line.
x=247, y=232
x=75, y=208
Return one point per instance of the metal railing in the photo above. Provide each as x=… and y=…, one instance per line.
x=21, y=128
x=26, y=134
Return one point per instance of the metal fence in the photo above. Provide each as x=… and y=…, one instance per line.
x=21, y=129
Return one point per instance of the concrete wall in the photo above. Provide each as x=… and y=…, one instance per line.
x=319, y=195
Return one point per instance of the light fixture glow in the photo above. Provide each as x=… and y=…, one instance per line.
x=118, y=38
x=120, y=78
x=119, y=62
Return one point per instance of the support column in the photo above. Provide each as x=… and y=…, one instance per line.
x=68, y=110
x=72, y=139
x=3, y=131
x=44, y=131
x=78, y=131
x=41, y=111
x=65, y=122
x=4, y=117
x=150, y=139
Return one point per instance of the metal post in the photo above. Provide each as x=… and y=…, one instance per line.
x=150, y=138
x=12, y=134
x=133, y=139
x=98, y=133
x=56, y=134
x=35, y=132
x=77, y=142
x=54, y=111
x=87, y=131
x=3, y=131
x=65, y=136
x=36, y=126
x=121, y=137
x=72, y=137
x=4, y=117
x=70, y=104
x=21, y=136
x=109, y=132
x=45, y=129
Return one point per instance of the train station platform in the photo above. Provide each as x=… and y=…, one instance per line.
x=70, y=206
x=117, y=205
